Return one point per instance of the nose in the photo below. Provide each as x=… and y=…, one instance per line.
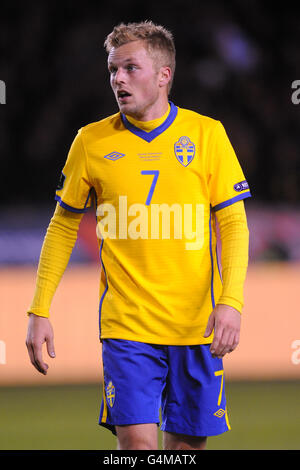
x=119, y=76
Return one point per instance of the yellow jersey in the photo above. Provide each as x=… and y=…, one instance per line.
x=155, y=195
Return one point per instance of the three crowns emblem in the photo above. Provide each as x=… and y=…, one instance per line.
x=184, y=150
x=110, y=394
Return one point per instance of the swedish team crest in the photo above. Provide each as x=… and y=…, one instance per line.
x=184, y=150
x=110, y=394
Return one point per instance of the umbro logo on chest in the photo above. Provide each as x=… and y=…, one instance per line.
x=114, y=156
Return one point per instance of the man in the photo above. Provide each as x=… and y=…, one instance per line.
x=158, y=174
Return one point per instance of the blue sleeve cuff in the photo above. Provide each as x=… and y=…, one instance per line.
x=231, y=201
x=69, y=208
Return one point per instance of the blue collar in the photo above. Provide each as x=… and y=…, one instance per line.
x=149, y=136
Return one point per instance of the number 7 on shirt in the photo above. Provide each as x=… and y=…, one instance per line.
x=155, y=174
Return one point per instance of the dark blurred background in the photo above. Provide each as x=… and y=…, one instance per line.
x=235, y=62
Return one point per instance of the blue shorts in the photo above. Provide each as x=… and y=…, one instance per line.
x=185, y=382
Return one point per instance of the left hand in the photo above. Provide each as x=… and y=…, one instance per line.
x=226, y=321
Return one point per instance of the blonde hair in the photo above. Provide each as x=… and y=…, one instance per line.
x=158, y=41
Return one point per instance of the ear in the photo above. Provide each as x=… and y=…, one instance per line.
x=164, y=76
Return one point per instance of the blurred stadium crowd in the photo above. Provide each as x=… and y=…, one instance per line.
x=236, y=62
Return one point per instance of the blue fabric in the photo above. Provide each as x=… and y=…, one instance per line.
x=186, y=382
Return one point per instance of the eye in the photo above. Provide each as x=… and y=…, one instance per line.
x=131, y=67
x=112, y=70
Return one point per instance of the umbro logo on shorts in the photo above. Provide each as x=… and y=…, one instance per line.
x=220, y=413
x=114, y=156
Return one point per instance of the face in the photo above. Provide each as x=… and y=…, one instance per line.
x=138, y=86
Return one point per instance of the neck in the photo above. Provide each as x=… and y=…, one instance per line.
x=152, y=112
x=148, y=126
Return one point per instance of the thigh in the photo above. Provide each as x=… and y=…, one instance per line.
x=174, y=441
x=137, y=437
x=134, y=376
x=194, y=401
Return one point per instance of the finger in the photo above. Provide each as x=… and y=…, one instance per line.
x=236, y=340
x=232, y=343
x=30, y=353
x=222, y=346
x=209, y=326
x=224, y=343
x=228, y=344
x=216, y=341
x=32, y=358
x=218, y=332
x=40, y=365
x=50, y=346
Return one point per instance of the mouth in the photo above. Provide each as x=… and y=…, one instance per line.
x=123, y=96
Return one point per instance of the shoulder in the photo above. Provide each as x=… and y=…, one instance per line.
x=196, y=118
x=102, y=128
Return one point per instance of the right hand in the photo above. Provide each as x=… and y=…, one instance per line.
x=39, y=331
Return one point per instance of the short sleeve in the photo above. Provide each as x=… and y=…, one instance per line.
x=74, y=188
x=226, y=180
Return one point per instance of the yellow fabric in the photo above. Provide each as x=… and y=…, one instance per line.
x=234, y=235
x=62, y=234
x=159, y=281
x=149, y=125
x=58, y=244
